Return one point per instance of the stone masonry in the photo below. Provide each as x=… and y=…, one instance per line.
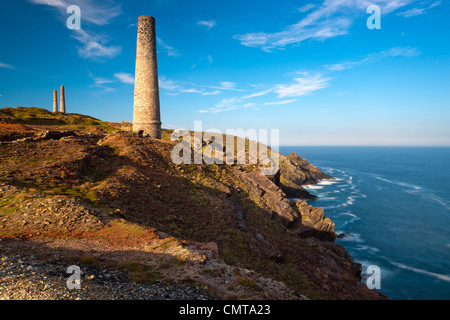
x=146, y=115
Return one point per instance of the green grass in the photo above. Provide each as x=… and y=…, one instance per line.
x=67, y=121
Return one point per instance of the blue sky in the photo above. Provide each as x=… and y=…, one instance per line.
x=309, y=68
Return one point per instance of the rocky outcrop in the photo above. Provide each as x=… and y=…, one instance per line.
x=295, y=172
x=314, y=223
x=297, y=217
x=56, y=135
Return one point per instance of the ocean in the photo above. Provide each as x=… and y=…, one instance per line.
x=393, y=204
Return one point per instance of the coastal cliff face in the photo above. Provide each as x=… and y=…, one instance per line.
x=297, y=172
x=119, y=199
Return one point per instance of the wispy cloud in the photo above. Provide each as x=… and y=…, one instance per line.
x=306, y=84
x=307, y=7
x=226, y=85
x=418, y=10
x=207, y=23
x=101, y=81
x=393, y=52
x=95, y=46
x=330, y=19
x=94, y=13
x=6, y=66
x=212, y=93
x=125, y=77
x=172, y=87
x=166, y=84
x=301, y=86
x=280, y=102
x=258, y=94
x=171, y=52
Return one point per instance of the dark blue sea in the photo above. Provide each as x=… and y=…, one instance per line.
x=394, y=205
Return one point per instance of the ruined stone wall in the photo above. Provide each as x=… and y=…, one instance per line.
x=146, y=115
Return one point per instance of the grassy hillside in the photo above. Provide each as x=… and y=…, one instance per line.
x=42, y=117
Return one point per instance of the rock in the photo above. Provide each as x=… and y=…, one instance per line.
x=313, y=223
x=55, y=135
x=296, y=172
x=344, y=235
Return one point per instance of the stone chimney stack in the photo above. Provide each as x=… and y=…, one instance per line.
x=55, y=101
x=63, y=101
x=146, y=114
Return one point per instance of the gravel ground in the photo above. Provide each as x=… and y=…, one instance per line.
x=28, y=278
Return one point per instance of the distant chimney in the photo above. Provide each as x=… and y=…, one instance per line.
x=55, y=101
x=63, y=101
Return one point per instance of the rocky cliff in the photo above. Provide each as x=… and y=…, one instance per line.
x=297, y=172
x=116, y=199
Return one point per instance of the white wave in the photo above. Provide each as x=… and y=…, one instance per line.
x=399, y=183
x=421, y=271
x=367, y=248
x=385, y=180
x=432, y=197
x=349, y=214
x=403, y=184
x=327, y=182
x=440, y=201
x=350, y=201
x=313, y=187
x=352, y=218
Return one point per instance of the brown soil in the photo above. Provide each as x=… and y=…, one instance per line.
x=139, y=208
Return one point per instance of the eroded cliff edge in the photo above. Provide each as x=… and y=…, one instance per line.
x=119, y=200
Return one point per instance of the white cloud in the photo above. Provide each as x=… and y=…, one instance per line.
x=210, y=60
x=171, y=52
x=125, y=77
x=92, y=12
x=226, y=85
x=6, y=66
x=209, y=24
x=101, y=84
x=307, y=7
x=175, y=88
x=419, y=10
x=100, y=81
x=191, y=90
x=331, y=19
x=169, y=85
x=94, y=46
x=302, y=86
x=412, y=12
x=393, y=52
x=279, y=102
x=96, y=12
x=212, y=93
x=258, y=94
